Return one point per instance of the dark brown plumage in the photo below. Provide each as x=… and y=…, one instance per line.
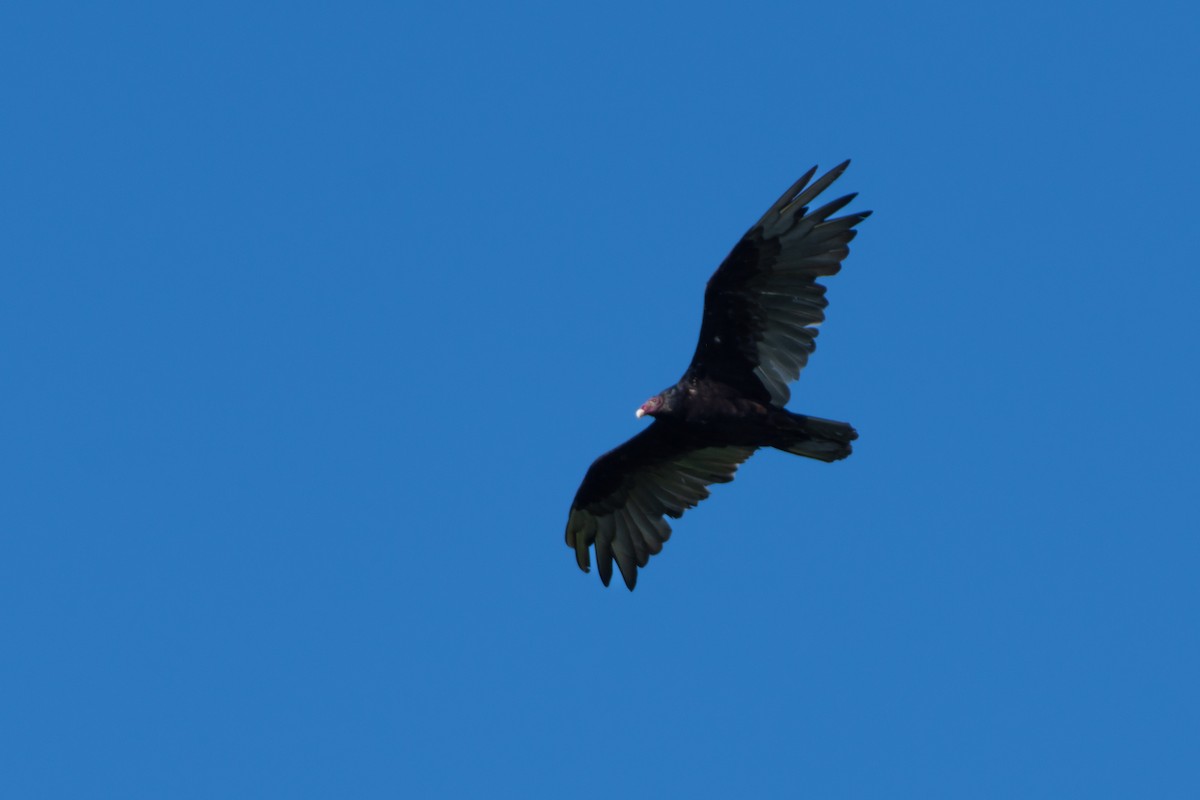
x=760, y=312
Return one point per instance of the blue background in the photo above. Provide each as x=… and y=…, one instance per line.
x=313, y=317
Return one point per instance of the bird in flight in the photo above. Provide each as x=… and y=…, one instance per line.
x=761, y=309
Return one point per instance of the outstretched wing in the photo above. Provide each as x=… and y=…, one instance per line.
x=763, y=303
x=620, y=505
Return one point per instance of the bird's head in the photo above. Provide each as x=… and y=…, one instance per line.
x=651, y=406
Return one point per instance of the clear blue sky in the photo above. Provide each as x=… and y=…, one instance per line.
x=313, y=318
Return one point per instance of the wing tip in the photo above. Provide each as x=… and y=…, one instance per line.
x=796, y=188
x=835, y=172
x=630, y=578
x=796, y=200
x=578, y=539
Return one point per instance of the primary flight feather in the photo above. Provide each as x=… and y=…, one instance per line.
x=761, y=309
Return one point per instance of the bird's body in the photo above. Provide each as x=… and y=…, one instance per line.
x=760, y=312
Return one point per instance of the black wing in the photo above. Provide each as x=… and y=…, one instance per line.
x=763, y=303
x=620, y=504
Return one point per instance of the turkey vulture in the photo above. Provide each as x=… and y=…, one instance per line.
x=761, y=309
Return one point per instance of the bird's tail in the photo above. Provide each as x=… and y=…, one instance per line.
x=813, y=437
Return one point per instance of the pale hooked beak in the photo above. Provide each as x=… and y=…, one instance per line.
x=641, y=412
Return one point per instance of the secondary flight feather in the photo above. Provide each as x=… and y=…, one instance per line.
x=761, y=309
